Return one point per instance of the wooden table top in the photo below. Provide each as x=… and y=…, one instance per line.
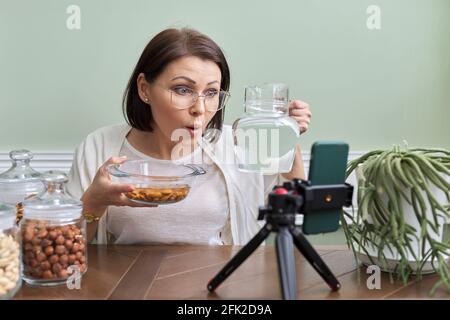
x=182, y=272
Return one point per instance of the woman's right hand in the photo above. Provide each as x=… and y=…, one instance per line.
x=103, y=192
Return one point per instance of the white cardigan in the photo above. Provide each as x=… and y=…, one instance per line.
x=246, y=191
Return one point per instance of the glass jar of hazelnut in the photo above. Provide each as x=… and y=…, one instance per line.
x=53, y=232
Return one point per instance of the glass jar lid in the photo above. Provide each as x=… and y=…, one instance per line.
x=53, y=202
x=20, y=170
x=7, y=216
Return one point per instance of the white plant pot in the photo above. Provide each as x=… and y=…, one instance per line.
x=410, y=218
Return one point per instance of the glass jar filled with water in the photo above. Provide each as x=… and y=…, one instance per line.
x=265, y=137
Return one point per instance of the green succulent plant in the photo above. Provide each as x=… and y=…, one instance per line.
x=387, y=181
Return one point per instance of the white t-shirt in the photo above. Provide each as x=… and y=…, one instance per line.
x=201, y=218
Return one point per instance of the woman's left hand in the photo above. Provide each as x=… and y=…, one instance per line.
x=299, y=111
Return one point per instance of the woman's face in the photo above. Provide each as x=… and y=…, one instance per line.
x=187, y=74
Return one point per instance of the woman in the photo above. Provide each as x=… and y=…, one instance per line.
x=179, y=83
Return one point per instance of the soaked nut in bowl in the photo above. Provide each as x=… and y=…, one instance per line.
x=159, y=195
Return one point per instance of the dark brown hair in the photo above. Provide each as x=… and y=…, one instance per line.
x=167, y=46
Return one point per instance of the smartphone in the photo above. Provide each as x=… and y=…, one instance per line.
x=328, y=164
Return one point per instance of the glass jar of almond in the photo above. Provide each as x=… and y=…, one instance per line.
x=10, y=272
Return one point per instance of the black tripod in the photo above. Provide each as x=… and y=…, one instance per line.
x=284, y=203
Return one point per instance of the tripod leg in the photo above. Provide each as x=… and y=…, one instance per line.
x=286, y=264
x=314, y=259
x=240, y=257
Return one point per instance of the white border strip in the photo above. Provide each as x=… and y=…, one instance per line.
x=42, y=161
x=62, y=160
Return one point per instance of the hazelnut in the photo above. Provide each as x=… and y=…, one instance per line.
x=72, y=259
x=81, y=247
x=56, y=268
x=68, y=244
x=33, y=263
x=45, y=265
x=64, y=259
x=63, y=273
x=79, y=255
x=60, y=240
x=60, y=249
x=49, y=250
x=75, y=248
x=42, y=233
x=46, y=242
x=52, y=235
x=41, y=257
x=37, y=249
x=54, y=258
x=69, y=234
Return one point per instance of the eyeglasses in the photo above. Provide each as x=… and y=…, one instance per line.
x=183, y=97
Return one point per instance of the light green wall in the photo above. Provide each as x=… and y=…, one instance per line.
x=370, y=88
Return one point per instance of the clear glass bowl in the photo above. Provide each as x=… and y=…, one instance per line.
x=156, y=183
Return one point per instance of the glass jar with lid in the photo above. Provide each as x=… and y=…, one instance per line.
x=10, y=267
x=53, y=235
x=265, y=137
x=21, y=181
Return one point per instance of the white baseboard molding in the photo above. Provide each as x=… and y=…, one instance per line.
x=62, y=160
x=42, y=161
